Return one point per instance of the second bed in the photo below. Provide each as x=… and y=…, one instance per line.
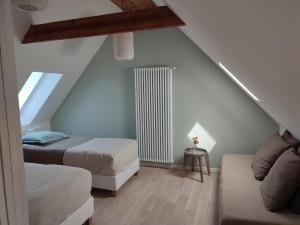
x=112, y=161
x=58, y=194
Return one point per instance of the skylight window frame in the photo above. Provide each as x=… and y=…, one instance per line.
x=38, y=97
x=238, y=82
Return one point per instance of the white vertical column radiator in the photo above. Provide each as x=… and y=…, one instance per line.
x=153, y=98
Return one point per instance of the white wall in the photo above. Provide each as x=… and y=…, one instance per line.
x=39, y=126
x=68, y=57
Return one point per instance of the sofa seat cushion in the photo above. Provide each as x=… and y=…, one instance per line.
x=240, y=199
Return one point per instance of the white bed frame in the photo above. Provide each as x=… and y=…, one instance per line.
x=113, y=183
x=81, y=215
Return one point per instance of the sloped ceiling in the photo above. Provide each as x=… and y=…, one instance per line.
x=69, y=57
x=258, y=41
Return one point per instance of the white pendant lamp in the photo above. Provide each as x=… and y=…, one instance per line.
x=124, y=46
x=30, y=5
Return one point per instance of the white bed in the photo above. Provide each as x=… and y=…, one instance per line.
x=114, y=183
x=112, y=161
x=58, y=194
x=81, y=215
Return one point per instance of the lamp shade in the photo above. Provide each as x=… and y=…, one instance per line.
x=30, y=5
x=123, y=46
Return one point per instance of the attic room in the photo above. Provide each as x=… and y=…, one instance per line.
x=133, y=112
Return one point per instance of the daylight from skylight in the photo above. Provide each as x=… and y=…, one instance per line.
x=28, y=87
x=238, y=82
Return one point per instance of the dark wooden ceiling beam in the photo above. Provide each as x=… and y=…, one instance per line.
x=126, y=5
x=130, y=5
x=152, y=18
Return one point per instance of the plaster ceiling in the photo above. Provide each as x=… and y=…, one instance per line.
x=257, y=40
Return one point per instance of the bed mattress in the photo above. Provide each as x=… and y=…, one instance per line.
x=54, y=192
x=101, y=156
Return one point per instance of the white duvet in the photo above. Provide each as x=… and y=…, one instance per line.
x=103, y=156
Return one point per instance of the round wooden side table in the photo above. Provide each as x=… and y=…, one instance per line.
x=195, y=154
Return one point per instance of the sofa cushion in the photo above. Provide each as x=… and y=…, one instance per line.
x=267, y=155
x=282, y=181
x=240, y=201
x=287, y=136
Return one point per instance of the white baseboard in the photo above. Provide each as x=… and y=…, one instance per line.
x=175, y=166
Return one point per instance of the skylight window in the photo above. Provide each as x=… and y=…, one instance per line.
x=238, y=82
x=28, y=87
x=35, y=93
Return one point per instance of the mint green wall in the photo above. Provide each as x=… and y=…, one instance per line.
x=101, y=104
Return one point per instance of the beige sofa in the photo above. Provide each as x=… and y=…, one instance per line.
x=240, y=200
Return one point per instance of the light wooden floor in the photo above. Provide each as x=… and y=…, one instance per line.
x=160, y=197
